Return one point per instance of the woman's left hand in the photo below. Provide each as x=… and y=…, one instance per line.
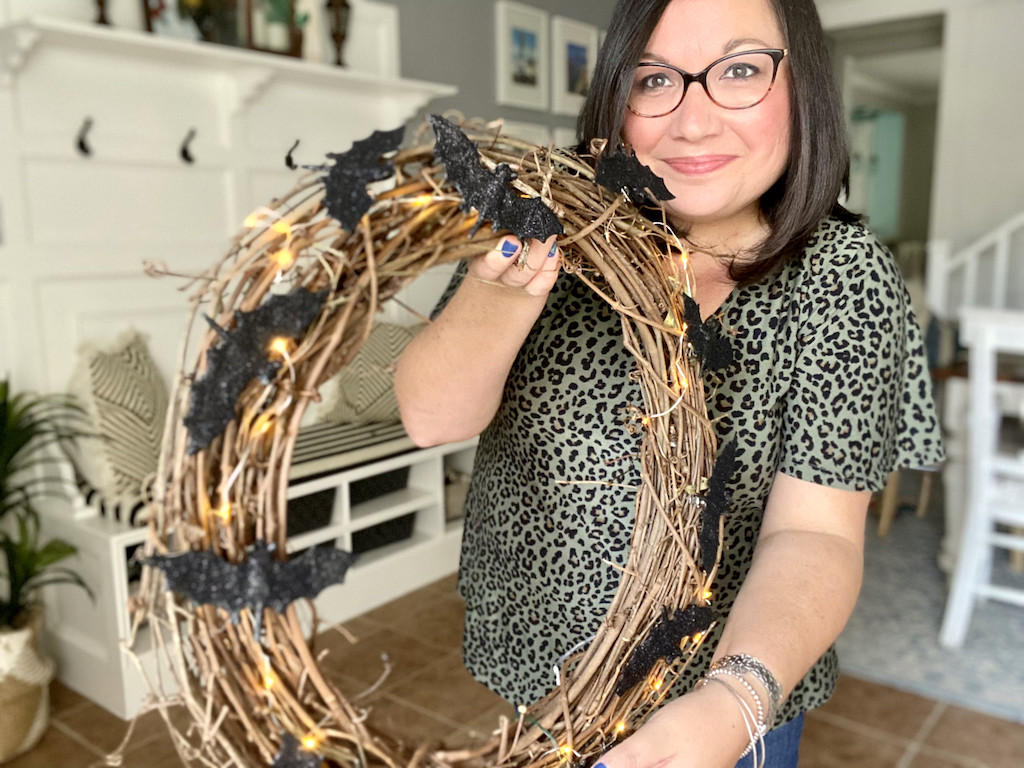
x=703, y=729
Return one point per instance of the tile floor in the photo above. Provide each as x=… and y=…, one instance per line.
x=864, y=726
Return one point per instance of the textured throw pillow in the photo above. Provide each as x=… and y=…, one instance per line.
x=126, y=399
x=364, y=390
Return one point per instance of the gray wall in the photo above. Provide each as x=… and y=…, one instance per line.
x=452, y=41
x=918, y=166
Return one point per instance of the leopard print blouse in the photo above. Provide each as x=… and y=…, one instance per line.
x=828, y=385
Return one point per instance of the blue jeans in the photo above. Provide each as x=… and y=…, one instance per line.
x=781, y=746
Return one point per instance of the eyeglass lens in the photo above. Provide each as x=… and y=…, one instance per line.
x=735, y=82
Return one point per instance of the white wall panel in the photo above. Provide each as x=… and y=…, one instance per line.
x=97, y=310
x=79, y=202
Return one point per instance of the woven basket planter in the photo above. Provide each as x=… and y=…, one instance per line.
x=25, y=676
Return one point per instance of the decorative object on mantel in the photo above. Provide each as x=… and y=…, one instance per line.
x=273, y=26
x=216, y=20
x=30, y=427
x=254, y=687
x=338, y=14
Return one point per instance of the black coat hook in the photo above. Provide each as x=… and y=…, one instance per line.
x=288, y=158
x=186, y=153
x=81, y=140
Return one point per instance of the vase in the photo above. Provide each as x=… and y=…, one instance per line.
x=25, y=676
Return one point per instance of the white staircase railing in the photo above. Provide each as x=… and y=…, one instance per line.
x=977, y=276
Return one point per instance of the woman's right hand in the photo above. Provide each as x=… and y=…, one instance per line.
x=504, y=265
x=450, y=378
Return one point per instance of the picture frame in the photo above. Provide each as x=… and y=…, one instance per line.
x=573, y=54
x=521, y=51
x=161, y=18
x=271, y=26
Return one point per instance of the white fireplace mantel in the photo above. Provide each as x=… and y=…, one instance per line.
x=76, y=228
x=94, y=183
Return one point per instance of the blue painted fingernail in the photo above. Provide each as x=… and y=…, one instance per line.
x=551, y=255
x=509, y=249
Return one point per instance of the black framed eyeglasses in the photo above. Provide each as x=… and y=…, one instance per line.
x=736, y=81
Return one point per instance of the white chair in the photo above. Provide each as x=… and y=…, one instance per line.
x=995, y=485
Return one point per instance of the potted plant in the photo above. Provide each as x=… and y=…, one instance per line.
x=30, y=426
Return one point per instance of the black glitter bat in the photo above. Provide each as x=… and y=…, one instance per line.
x=294, y=755
x=717, y=502
x=710, y=345
x=258, y=582
x=620, y=172
x=345, y=183
x=490, y=192
x=241, y=356
x=663, y=643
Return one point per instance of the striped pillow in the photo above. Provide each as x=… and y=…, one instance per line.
x=126, y=398
x=364, y=390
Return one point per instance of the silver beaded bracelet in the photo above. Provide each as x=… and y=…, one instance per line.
x=755, y=729
x=762, y=721
x=741, y=664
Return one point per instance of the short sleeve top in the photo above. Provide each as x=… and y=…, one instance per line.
x=828, y=384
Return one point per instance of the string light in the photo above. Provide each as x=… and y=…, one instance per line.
x=422, y=200
x=283, y=258
x=282, y=228
x=254, y=218
x=223, y=512
x=269, y=678
x=707, y=595
x=620, y=728
x=311, y=741
x=280, y=346
x=657, y=683
x=262, y=425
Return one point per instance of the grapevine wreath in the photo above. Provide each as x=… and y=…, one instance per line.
x=286, y=308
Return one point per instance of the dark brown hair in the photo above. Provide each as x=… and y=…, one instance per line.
x=819, y=162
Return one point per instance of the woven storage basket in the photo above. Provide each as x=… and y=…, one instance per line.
x=25, y=677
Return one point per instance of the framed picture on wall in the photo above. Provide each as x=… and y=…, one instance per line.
x=521, y=36
x=573, y=53
x=162, y=18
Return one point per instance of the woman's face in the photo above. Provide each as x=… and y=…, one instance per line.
x=717, y=162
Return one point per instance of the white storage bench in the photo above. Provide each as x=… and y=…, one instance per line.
x=366, y=489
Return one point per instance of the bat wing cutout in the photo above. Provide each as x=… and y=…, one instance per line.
x=620, y=173
x=711, y=346
x=260, y=581
x=345, y=195
x=294, y=755
x=717, y=502
x=490, y=192
x=663, y=642
x=241, y=356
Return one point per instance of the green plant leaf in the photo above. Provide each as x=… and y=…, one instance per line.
x=32, y=429
x=54, y=551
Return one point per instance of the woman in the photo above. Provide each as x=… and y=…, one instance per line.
x=827, y=394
